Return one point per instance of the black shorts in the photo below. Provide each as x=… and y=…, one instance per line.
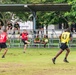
x=3, y=45
x=63, y=46
x=24, y=41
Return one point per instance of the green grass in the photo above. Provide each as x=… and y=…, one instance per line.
x=37, y=62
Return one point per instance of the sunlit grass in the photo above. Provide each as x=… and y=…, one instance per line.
x=37, y=62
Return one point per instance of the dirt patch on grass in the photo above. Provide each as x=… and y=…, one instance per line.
x=23, y=69
x=11, y=65
x=34, y=69
x=53, y=71
x=11, y=68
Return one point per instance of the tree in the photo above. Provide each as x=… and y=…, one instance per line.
x=46, y=18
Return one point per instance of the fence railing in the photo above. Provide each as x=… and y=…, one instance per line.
x=54, y=41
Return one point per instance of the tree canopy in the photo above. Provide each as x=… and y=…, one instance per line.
x=46, y=18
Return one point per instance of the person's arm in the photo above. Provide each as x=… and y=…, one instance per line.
x=60, y=36
x=35, y=40
x=20, y=36
x=18, y=26
x=70, y=37
x=7, y=37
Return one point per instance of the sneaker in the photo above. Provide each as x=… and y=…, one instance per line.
x=53, y=60
x=66, y=61
x=3, y=56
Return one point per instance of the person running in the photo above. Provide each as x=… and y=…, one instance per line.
x=24, y=38
x=3, y=39
x=65, y=37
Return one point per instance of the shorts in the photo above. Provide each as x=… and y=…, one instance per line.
x=63, y=46
x=24, y=41
x=3, y=45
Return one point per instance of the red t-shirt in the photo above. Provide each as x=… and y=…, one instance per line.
x=3, y=37
x=24, y=36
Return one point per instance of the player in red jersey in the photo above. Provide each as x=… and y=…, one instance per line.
x=3, y=39
x=24, y=38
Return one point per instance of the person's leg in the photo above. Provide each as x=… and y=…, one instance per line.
x=5, y=51
x=18, y=30
x=67, y=53
x=27, y=42
x=25, y=46
x=14, y=30
x=0, y=46
x=0, y=49
x=44, y=45
x=60, y=51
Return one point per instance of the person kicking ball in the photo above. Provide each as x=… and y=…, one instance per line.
x=24, y=38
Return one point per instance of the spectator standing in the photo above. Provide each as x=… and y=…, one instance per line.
x=1, y=25
x=73, y=27
x=9, y=26
x=16, y=27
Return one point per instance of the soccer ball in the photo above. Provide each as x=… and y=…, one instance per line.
x=46, y=40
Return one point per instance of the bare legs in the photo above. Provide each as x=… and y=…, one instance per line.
x=25, y=46
x=66, y=55
x=58, y=54
x=5, y=51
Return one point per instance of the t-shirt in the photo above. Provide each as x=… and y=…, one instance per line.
x=16, y=25
x=3, y=37
x=37, y=39
x=24, y=36
x=65, y=37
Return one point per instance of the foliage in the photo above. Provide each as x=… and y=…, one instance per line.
x=46, y=18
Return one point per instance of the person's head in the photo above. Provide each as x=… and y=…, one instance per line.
x=16, y=23
x=67, y=30
x=37, y=36
x=45, y=36
x=73, y=22
x=24, y=31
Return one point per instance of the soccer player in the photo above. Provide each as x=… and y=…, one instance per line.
x=65, y=37
x=3, y=39
x=24, y=38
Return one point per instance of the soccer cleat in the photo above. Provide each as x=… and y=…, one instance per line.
x=66, y=61
x=53, y=60
x=3, y=56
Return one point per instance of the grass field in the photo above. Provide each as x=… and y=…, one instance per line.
x=37, y=62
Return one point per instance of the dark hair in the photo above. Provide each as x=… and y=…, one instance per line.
x=67, y=30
